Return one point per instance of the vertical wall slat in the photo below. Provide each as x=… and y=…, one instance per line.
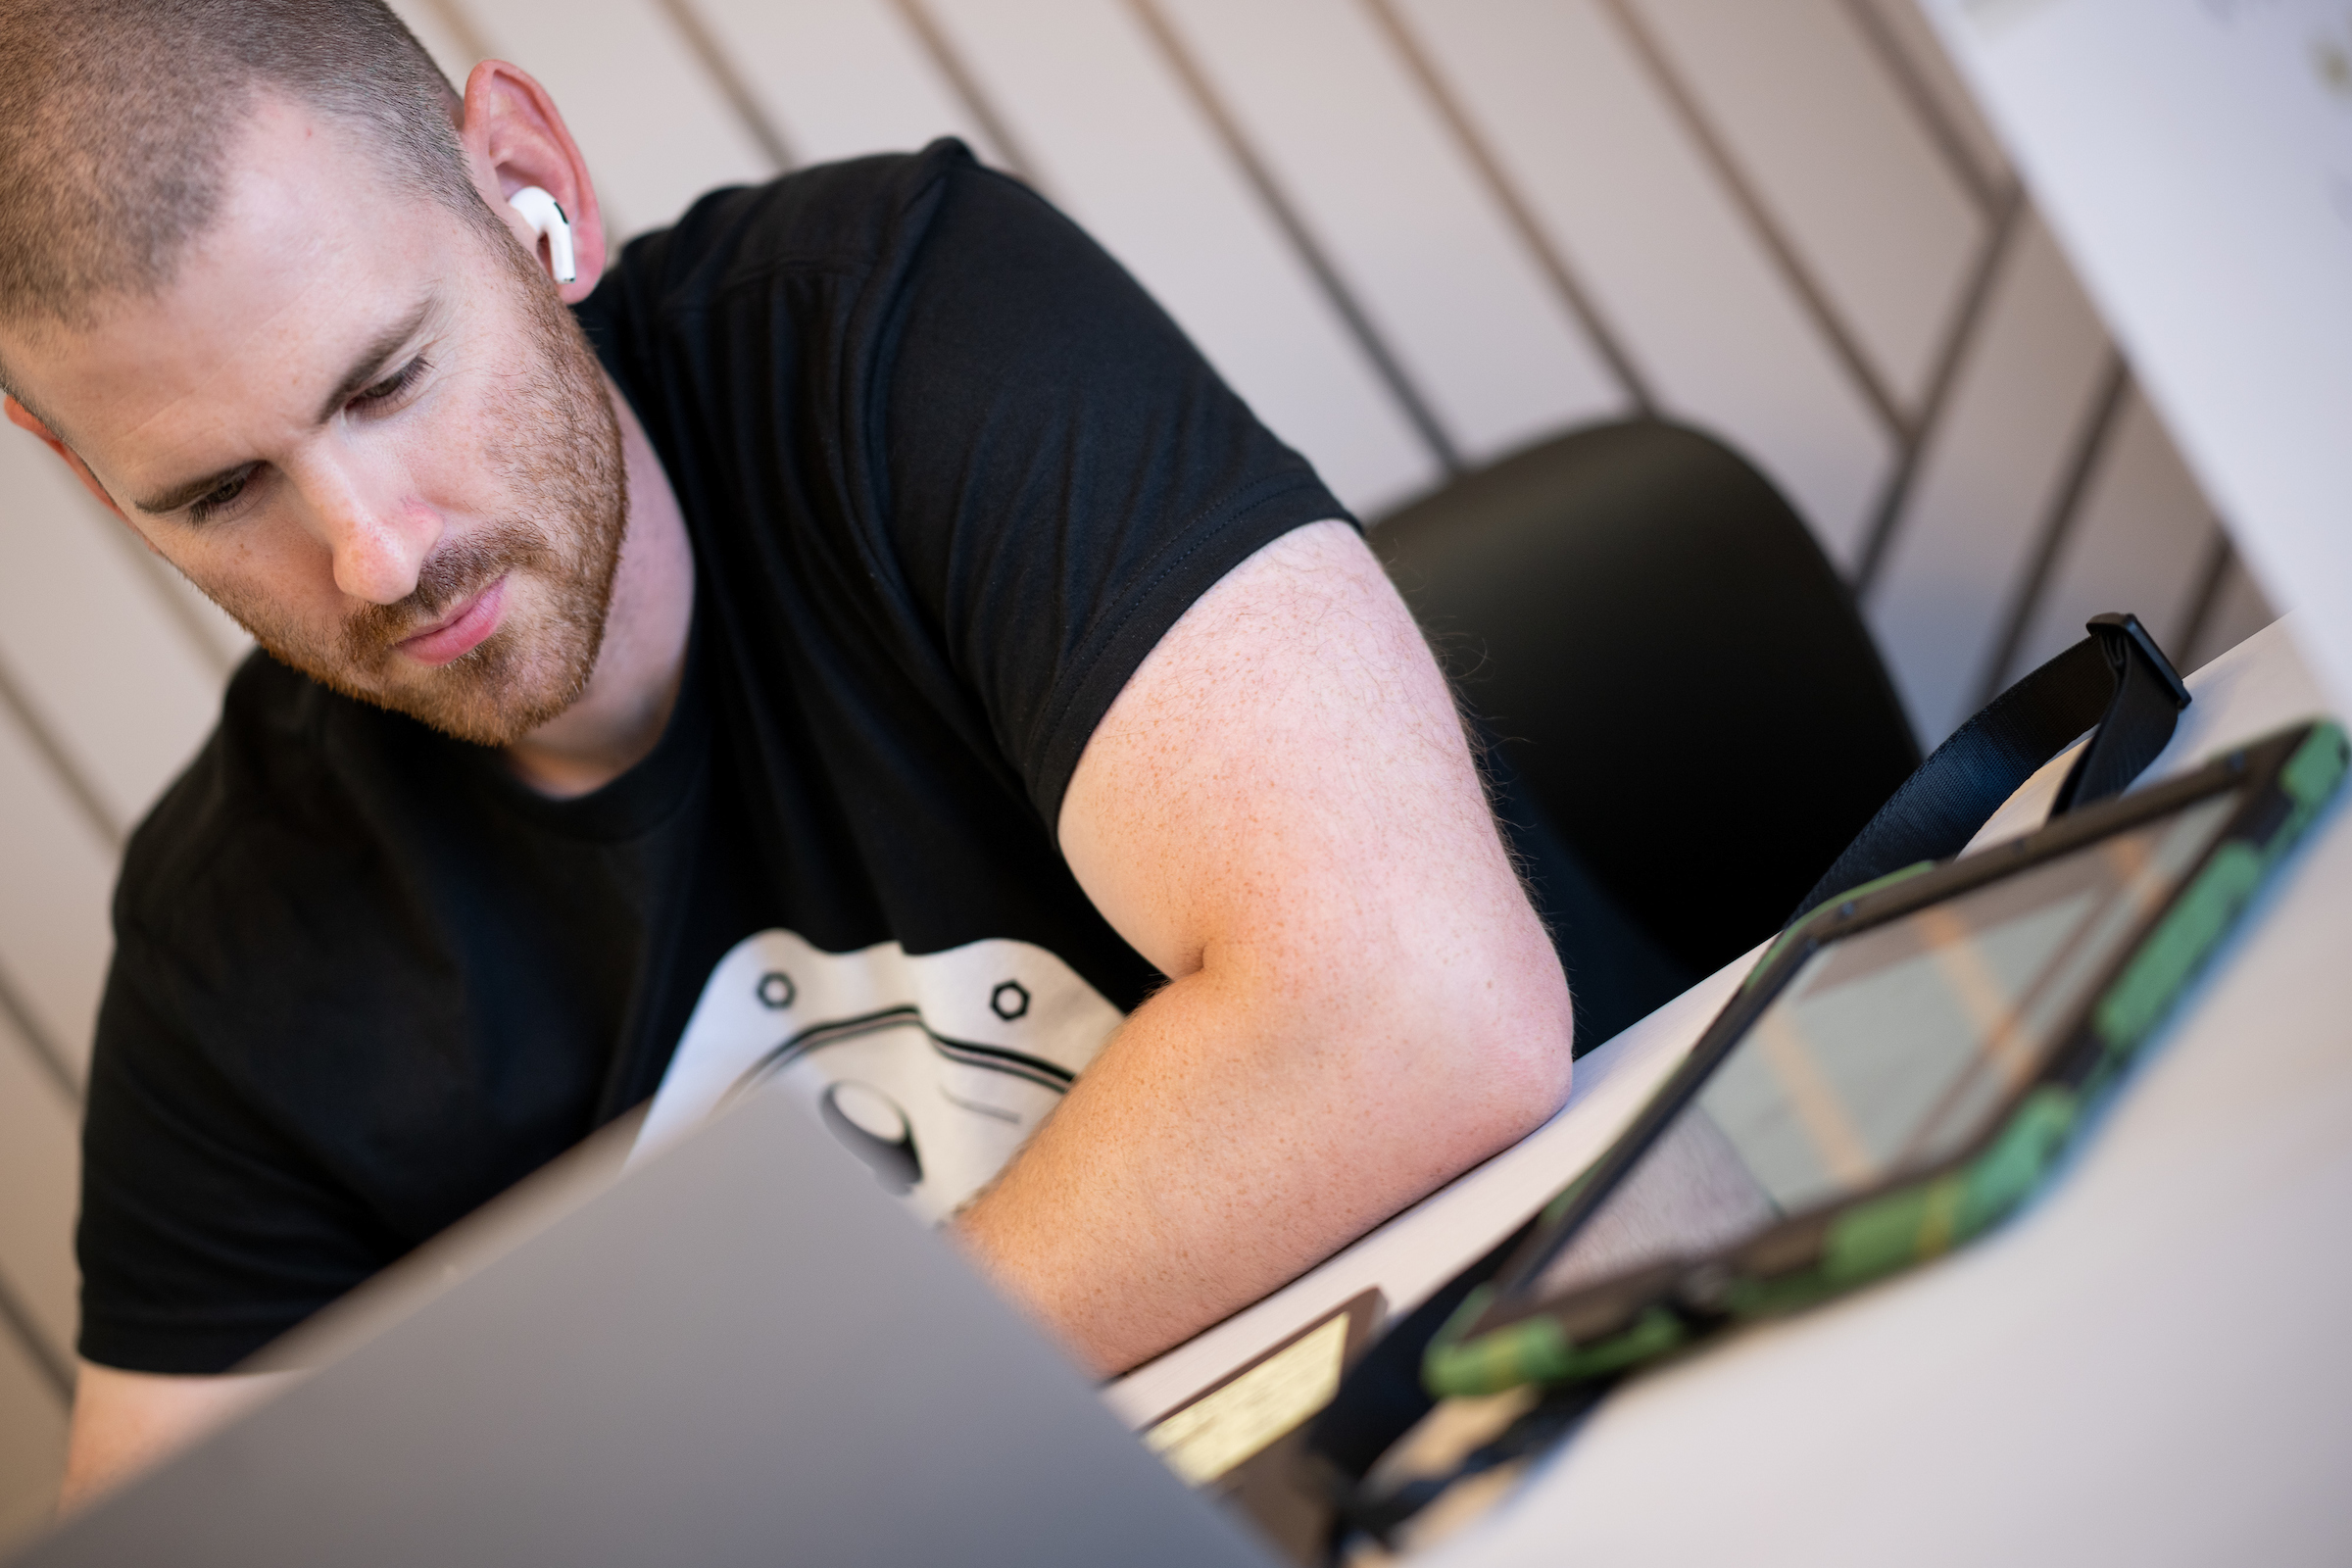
x=723, y=74
x=1834, y=152
x=1209, y=100
x=1698, y=122
x=2095, y=432
x=85, y=639
x=41, y=1140
x=1960, y=337
x=1328, y=103
x=1606, y=169
x=1985, y=483
x=1899, y=26
x=33, y=1445
x=894, y=100
x=54, y=936
x=1504, y=192
x=2141, y=545
x=1127, y=155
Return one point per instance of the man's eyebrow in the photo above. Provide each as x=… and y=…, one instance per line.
x=369, y=366
x=364, y=372
x=179, y=494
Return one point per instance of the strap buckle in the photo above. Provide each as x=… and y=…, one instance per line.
x=2100, y=626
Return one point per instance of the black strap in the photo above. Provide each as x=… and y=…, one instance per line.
x=2115, y=681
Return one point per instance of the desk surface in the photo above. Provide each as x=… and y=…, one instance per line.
x=2150, y=1365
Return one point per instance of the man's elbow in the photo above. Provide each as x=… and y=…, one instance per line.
x=1526, y=1059
x=1487, y=1055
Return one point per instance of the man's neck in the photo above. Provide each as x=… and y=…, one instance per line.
x=635, y=684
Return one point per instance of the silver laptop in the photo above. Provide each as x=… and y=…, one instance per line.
x=742, y=1353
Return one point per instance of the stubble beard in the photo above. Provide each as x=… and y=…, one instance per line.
x=555, y=443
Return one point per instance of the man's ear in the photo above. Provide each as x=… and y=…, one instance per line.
x=514, y=138
x=23, y=418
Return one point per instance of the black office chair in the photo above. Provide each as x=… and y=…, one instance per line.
x=1686, y=718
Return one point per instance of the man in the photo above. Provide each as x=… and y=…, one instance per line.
x=875, y=654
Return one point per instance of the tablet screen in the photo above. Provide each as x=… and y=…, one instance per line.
x=1889, y=1050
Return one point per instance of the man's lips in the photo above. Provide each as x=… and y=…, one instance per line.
x=462, y=631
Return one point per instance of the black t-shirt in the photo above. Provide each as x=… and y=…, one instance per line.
x=949, y=477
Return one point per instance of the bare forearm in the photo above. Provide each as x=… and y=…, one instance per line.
x=1235, y=1134
x=126, y=1422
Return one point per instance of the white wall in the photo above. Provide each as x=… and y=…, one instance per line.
x=1414, y=234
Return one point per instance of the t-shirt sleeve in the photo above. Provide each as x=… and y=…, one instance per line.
x=203, y=1234
x=1065, y=472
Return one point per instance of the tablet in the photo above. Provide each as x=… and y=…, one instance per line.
x=1899, y=1073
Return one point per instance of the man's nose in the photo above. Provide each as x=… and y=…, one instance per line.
x=379, y=533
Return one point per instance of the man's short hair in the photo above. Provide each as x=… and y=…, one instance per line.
x=117, y=117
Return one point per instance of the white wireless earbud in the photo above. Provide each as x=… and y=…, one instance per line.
x=545, y=217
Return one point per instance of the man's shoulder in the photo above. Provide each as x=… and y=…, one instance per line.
x=841, y=217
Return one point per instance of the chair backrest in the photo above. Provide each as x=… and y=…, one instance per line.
x=1675, y=673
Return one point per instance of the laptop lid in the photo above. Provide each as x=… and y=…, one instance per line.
x=742, y=1353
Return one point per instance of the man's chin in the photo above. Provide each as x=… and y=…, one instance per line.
x=480, y=700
